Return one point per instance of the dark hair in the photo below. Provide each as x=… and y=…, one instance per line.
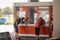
x=43, y=21
x=40, y=17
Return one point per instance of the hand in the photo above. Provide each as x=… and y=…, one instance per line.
x=16, y=35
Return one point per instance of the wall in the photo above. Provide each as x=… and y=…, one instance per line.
x=56, y=11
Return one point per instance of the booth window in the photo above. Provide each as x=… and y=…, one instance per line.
x=43, y=12
x=30, y=15
x=21, y=14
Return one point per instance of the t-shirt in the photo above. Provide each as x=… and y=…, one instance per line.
x=38, y=23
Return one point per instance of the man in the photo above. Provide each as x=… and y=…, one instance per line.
x=17, y=21
x=40, y=22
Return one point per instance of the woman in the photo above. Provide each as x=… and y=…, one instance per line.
x=40, y=21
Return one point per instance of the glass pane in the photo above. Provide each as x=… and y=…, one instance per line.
x=31, y=15
x=21, y=14
x=45, y=16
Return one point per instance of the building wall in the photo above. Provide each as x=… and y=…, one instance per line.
x=56, y=10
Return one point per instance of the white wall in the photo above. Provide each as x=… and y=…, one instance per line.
x=56, y=11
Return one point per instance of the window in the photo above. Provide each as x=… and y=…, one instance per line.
x=30, y=15
x=45, y=14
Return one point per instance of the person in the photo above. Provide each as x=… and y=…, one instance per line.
x=16, y=22
x=51, y=26
x=52, y=22
x=39, y=22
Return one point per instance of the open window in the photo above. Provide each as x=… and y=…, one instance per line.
x=43, y=12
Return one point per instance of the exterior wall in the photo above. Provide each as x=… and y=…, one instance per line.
x=56, y=10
